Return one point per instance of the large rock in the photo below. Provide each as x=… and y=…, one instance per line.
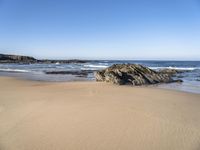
x=132, y=74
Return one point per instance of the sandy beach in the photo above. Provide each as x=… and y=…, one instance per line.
x=96, y=116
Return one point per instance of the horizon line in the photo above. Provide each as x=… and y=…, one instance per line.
x=105, y=59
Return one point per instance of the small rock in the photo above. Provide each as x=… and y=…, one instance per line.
x=172, y=71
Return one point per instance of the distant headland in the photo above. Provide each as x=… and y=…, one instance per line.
x=7, y=58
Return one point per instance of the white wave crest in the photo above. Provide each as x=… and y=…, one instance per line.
x=177, y=68
x=13, y=70
x=96, y=66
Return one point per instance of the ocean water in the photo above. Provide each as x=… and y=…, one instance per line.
x=191, y=79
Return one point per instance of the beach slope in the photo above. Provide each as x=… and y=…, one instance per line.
x=96, y=116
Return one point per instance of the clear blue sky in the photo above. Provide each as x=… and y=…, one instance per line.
x=101, y=29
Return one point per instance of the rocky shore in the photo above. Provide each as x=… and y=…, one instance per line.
x=4, y=58
x=133, y=74
x=81, y=73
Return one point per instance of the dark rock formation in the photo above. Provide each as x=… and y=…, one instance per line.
x=16, y=59
x=132, y=74
x=29, y=60
x=82, y=73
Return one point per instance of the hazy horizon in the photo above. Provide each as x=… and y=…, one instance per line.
x=101, y=29
x=101, y=59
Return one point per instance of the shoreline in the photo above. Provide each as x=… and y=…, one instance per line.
x=162, y=86
x=66, y=72
x=95, y=115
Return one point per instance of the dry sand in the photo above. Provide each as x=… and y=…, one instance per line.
x=96, y=116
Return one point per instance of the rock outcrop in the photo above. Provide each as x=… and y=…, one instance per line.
x=16, y=59
x=132, y=74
